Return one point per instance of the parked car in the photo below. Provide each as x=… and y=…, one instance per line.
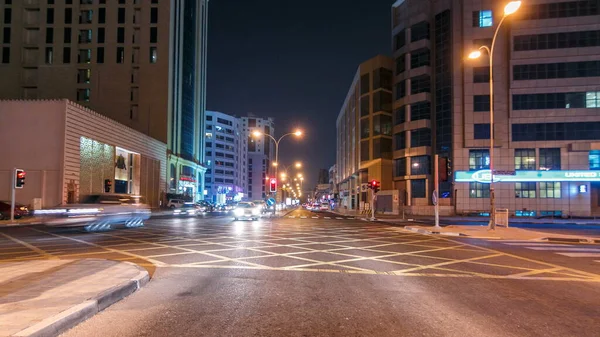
x=175, y=203
x=99, y=212
x=247, y=210
x=20, y=210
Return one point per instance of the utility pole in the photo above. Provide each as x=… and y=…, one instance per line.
x=436, y=184
x=12, y=198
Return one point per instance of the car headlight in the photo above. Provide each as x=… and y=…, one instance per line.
x=238, y=212
x=256, y=211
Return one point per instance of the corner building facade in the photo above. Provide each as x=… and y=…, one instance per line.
x=546, y=106
x=140, y=63
x=364, y=134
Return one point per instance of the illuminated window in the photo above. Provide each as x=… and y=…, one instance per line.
x=550, y=190
x=479, y=159
x=479, y=190
x=482, y=18
x=525, y=190
x=525, y=159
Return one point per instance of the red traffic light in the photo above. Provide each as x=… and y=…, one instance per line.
x=374, y=185
x=19, y=178
x=273, y=185
x=20, y=174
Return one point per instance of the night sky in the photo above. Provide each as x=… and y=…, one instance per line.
x=293, y=61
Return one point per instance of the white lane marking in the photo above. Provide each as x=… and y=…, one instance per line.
x=292, y=216
x=327, y=217
x=536, y=244
x=339, y=218
x=303, y=217
x=591, y=250
x=580, y=254
x=314, y=217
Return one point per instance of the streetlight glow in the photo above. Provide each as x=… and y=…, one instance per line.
x=257, y=133
x=298, y=164
x=298, y=133
x=475, y=54
x=512, y=7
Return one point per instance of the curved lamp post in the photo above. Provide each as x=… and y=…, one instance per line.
x=509, y=9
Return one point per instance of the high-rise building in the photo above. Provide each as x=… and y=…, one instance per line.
x=364, y=132
x=546, y=106
x=261, y=152
x=140, y=63
x=225, y=154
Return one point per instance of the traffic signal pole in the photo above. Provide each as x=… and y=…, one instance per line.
x=436, y=184
x=12, y=198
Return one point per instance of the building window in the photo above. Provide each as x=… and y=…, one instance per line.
x=550, y=159
x=382, y=101
x=592, y=98
x=420, y=137
x=101, y=36
x=100, y=55
x=49, y=35
x=83, y=95
x=594, y=158
x=365, y=86
x=550, y=190
x=153, y=15
x=85, y=17
x=400, y=89
x=420, y=110
x=420, y=165
x=364, y=151
x=481, y=74
x=483, y=18
x=67, y=35
x=382, y=125
x=481, y=131
x=84, y=56
x=400, y=39
x=68, y=16
x=365, y=130
x=400, y=115
x=6, y=35
x=83, y=75
x=418, y=188
x=153, y=34
x=120, y=54
x=572, y=100
x=420, y=84
x=419, y=31
x=50, y=15
x=121, y=35
x=525, y=159
x=5, y=55
x=121, y=15
x=479, y=159
x=66, y=55
x=588, y=38
x=400, y=64
x=556, y=131
x=102, y=15
x=559, y=10
x=525, y=190
x=556, y=70
x=481, y=103
x=382, y=148
x=7, y=15
x=400, y=140
x=365, y=108
x=420, y=58
x=479, y=190
x=85, y=36
x=49, y=55
x=400, y=167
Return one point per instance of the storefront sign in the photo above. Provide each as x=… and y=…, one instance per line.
x=485, y=176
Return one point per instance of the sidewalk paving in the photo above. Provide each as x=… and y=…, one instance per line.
x=47, y=297
x=501, y=233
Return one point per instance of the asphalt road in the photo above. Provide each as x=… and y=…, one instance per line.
x=317, y=275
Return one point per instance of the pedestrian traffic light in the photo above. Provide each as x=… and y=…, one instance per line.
x=19, y=178
x=107, y=185
x=273, y=185
x=375, y=185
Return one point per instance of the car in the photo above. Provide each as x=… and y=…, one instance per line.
x=205, y=206
x=324, y=206
x=98, y=212
x=247, y=210
x=188, y=208
x=20, y=210
x=175, y=203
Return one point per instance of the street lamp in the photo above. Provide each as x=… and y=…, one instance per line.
x=509, y=9
x=296, y=133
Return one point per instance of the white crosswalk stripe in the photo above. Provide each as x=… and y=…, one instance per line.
x=562, y=249
x=327, y=217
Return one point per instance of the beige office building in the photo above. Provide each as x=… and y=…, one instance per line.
x=364, y=135
x=141, y=63
x=546, y=68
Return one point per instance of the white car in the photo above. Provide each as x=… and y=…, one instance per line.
x=175, y=203
x=189, y=208
x=247, y=210
x=324, y=206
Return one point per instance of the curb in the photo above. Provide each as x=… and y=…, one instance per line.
x=55, y=325
x=428, y=232
x=572, y=240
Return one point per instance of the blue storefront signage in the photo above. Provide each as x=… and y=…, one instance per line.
x=485, y=176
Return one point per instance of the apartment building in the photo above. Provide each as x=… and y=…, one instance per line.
x=546, y=104
x=260, y=151
x=225, y=156
x=140, y=63
x=364, y=133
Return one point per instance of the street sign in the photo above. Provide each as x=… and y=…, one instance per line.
x=364, y=187
x=434, y=198
x=270, y=202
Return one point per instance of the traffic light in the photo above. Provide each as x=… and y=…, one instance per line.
x=107, y=185
x=375, y=185
x=273, y=185
x=19, y=178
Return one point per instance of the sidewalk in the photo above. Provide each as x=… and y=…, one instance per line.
x=47, y=297
x=501, y=233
